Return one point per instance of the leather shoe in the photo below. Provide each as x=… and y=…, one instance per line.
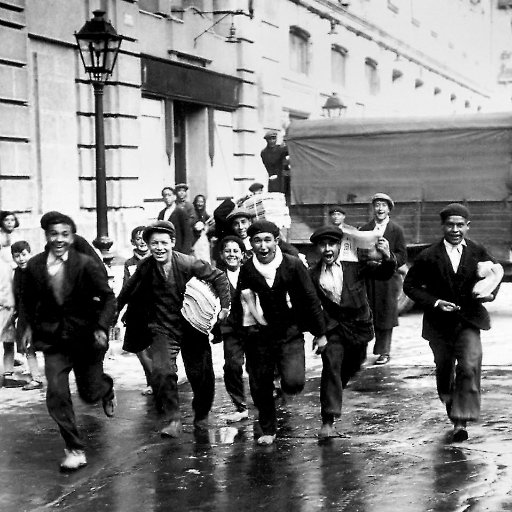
x=173, y=429
x=109, y=404
x=74, y=459
x=460, y=433
x=382, y=359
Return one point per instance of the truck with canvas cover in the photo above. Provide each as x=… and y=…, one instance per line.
x=422, y=163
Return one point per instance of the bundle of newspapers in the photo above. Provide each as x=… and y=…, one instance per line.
x=269, y=206
x=201, y=305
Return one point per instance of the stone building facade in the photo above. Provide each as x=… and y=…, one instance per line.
x=198, y=82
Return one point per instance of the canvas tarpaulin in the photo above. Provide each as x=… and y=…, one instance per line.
x=450, y=159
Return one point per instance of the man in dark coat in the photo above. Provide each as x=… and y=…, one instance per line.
x=281, y=285
x=180, y=220
x=69, y=307
x=273, y=156
x=442, y=281
x=383, y=295
x=154, y=295
x=341, y=288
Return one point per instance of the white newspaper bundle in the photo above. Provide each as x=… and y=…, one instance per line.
x=269, y=206
x=491, y=275
x=201, y=305
x=365, y=241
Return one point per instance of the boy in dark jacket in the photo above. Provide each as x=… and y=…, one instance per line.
x=285, y=304
x=349, y=327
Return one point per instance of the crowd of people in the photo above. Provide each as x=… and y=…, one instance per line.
x=59, y=302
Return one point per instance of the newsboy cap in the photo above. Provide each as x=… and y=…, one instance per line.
x=380, y=196
x=270, y=134
x=262, y=226
x=179, y=186
x=330, y=232
x=336, y=208
x=54, y=217
x=255, y=187
x=454, y=209
x=160, y=226
x=240, y=212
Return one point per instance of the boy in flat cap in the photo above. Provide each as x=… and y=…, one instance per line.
x=69, y=307
x=154, y=295
x=285, y=304
x=383, y=295
x=441, y=280
x=349, y=327
x=181, y=200
x=181, y=220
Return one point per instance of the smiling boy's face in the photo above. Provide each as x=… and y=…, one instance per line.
x=21, y=258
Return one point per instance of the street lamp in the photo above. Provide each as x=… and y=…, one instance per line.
x=333, y=106
x=99, y=43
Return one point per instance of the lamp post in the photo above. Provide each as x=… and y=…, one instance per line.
x=99, y=43
x=333, y=106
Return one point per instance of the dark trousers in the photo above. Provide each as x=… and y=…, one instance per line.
x=265, y=350
x=341, y=361
x=197, y=360
x=382, y=342
x=92, y=384
x=234, y=353
x=458, y=362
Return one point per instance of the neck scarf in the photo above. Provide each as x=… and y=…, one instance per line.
x=268, y=270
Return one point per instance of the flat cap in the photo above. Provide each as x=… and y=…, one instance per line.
x=270, y=134
x=178, y=186
x=333, y=233
x=336, y=208
x=454, y=209
x=160, y=226
x=262, y=226
x=54, y=217
x=380, y=196
x=240, y=212
x=255, y=187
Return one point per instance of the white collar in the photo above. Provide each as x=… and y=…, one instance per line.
x=52, y=259
x=450, y=247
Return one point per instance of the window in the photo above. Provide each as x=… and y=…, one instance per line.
x=338, y=62
x=299, y=50
x=372, y=76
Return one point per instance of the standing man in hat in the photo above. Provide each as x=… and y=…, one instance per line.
x=383, y=295
x=181, y=199
x=273, y=156
x=69, y=307
x=154, y=295
x=285, y=304
x=349, y=328
x=442, y=281
x=178, y=217
x=337, y=216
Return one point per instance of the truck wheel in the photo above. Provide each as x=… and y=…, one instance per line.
x=405, y=304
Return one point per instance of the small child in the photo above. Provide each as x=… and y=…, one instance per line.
x=140, y=251
x=21, y=254
x=7, y=324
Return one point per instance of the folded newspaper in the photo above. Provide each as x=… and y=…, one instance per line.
x=359, y=245
x=201, y=306
x=269, y=206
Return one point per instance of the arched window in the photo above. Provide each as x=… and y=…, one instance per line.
x=372, y=76
x=299, y=50
x=338, y=64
